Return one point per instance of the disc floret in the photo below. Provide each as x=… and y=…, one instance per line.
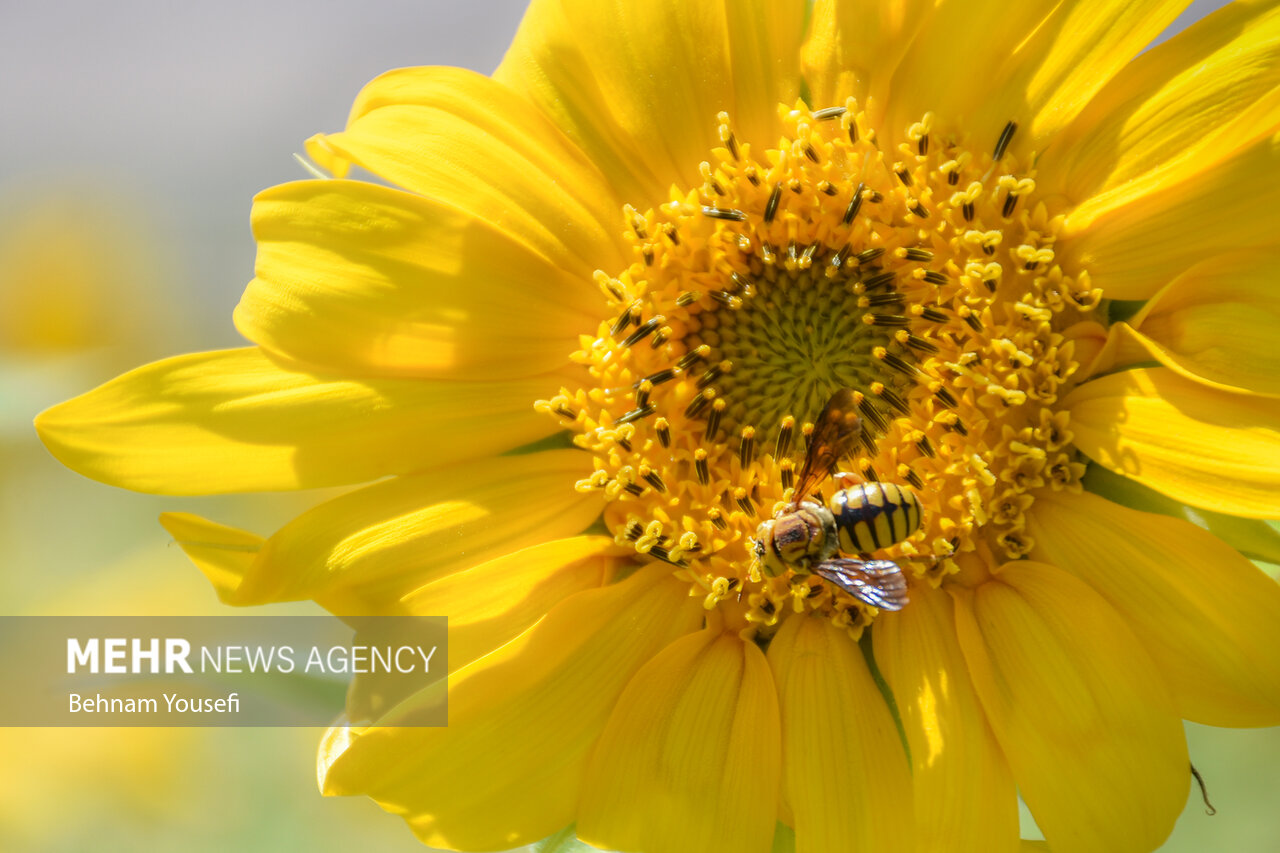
x=924, y=279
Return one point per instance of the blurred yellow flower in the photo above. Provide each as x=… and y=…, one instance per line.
x=680, y=228
x=76, y=272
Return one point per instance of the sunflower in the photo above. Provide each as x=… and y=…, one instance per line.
x=580, y=333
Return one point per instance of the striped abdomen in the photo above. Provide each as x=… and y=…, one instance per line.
x=874, y=516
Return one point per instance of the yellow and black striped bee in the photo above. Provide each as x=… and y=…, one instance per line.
x=806, y=536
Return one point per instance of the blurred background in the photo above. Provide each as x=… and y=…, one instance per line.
x=134, y=136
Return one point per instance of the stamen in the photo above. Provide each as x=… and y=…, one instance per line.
x=664, y=431
x=771, y=207
x=828, y=113
x=713, y=420
x=921, y=344
x=730, y=215
x=1006, y=136
x=783, y=445
x=642, y=393
x=653, y=479
x=698, y=403
x=906, y=473
x=879, y=279
x=714, y=372
x=894, y=320
x=664, y=375
x=747, y=446
x=700, y=466
x=636, y=414
x=646, y=328
x=877, y=299
x=624, y=319
x=694, y=355
x=892, y=361
x=891, y=397
x=871, y=413
x=854, y=205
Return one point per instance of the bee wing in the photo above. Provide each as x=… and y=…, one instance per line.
x=879, y=583
x=836, y=431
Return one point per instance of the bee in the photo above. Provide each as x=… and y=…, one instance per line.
x=807, y=536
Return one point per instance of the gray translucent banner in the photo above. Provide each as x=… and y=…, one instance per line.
x=222, y=670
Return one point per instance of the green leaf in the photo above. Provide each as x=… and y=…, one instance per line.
x=1256, y=539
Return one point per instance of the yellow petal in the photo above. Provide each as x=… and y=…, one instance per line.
x=236, y=421
x=965, y=798
x=1201, y=447
x=1188, y=102
x=854, y=47
x=689, y=760
x=508, y=768
x=222, y=554
x=489, y=604
x=980, y=65
x=380, y=542
x=1254, y=538
x=359, y=278
x=1135, y=238
x=845, y=776
x=1216, y=323
x=1078, y=707
x=603, y=71
x=1206, y=614
x=466, y=141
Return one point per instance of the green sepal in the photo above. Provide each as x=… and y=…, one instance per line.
x=1254, y=538
x=562, y=440
x=868, y=653
x=564, y=841
x=784, y=839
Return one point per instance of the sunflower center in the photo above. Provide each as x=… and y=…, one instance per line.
x=925, y=283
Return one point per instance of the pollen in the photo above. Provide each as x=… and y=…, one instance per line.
x=922, y=279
